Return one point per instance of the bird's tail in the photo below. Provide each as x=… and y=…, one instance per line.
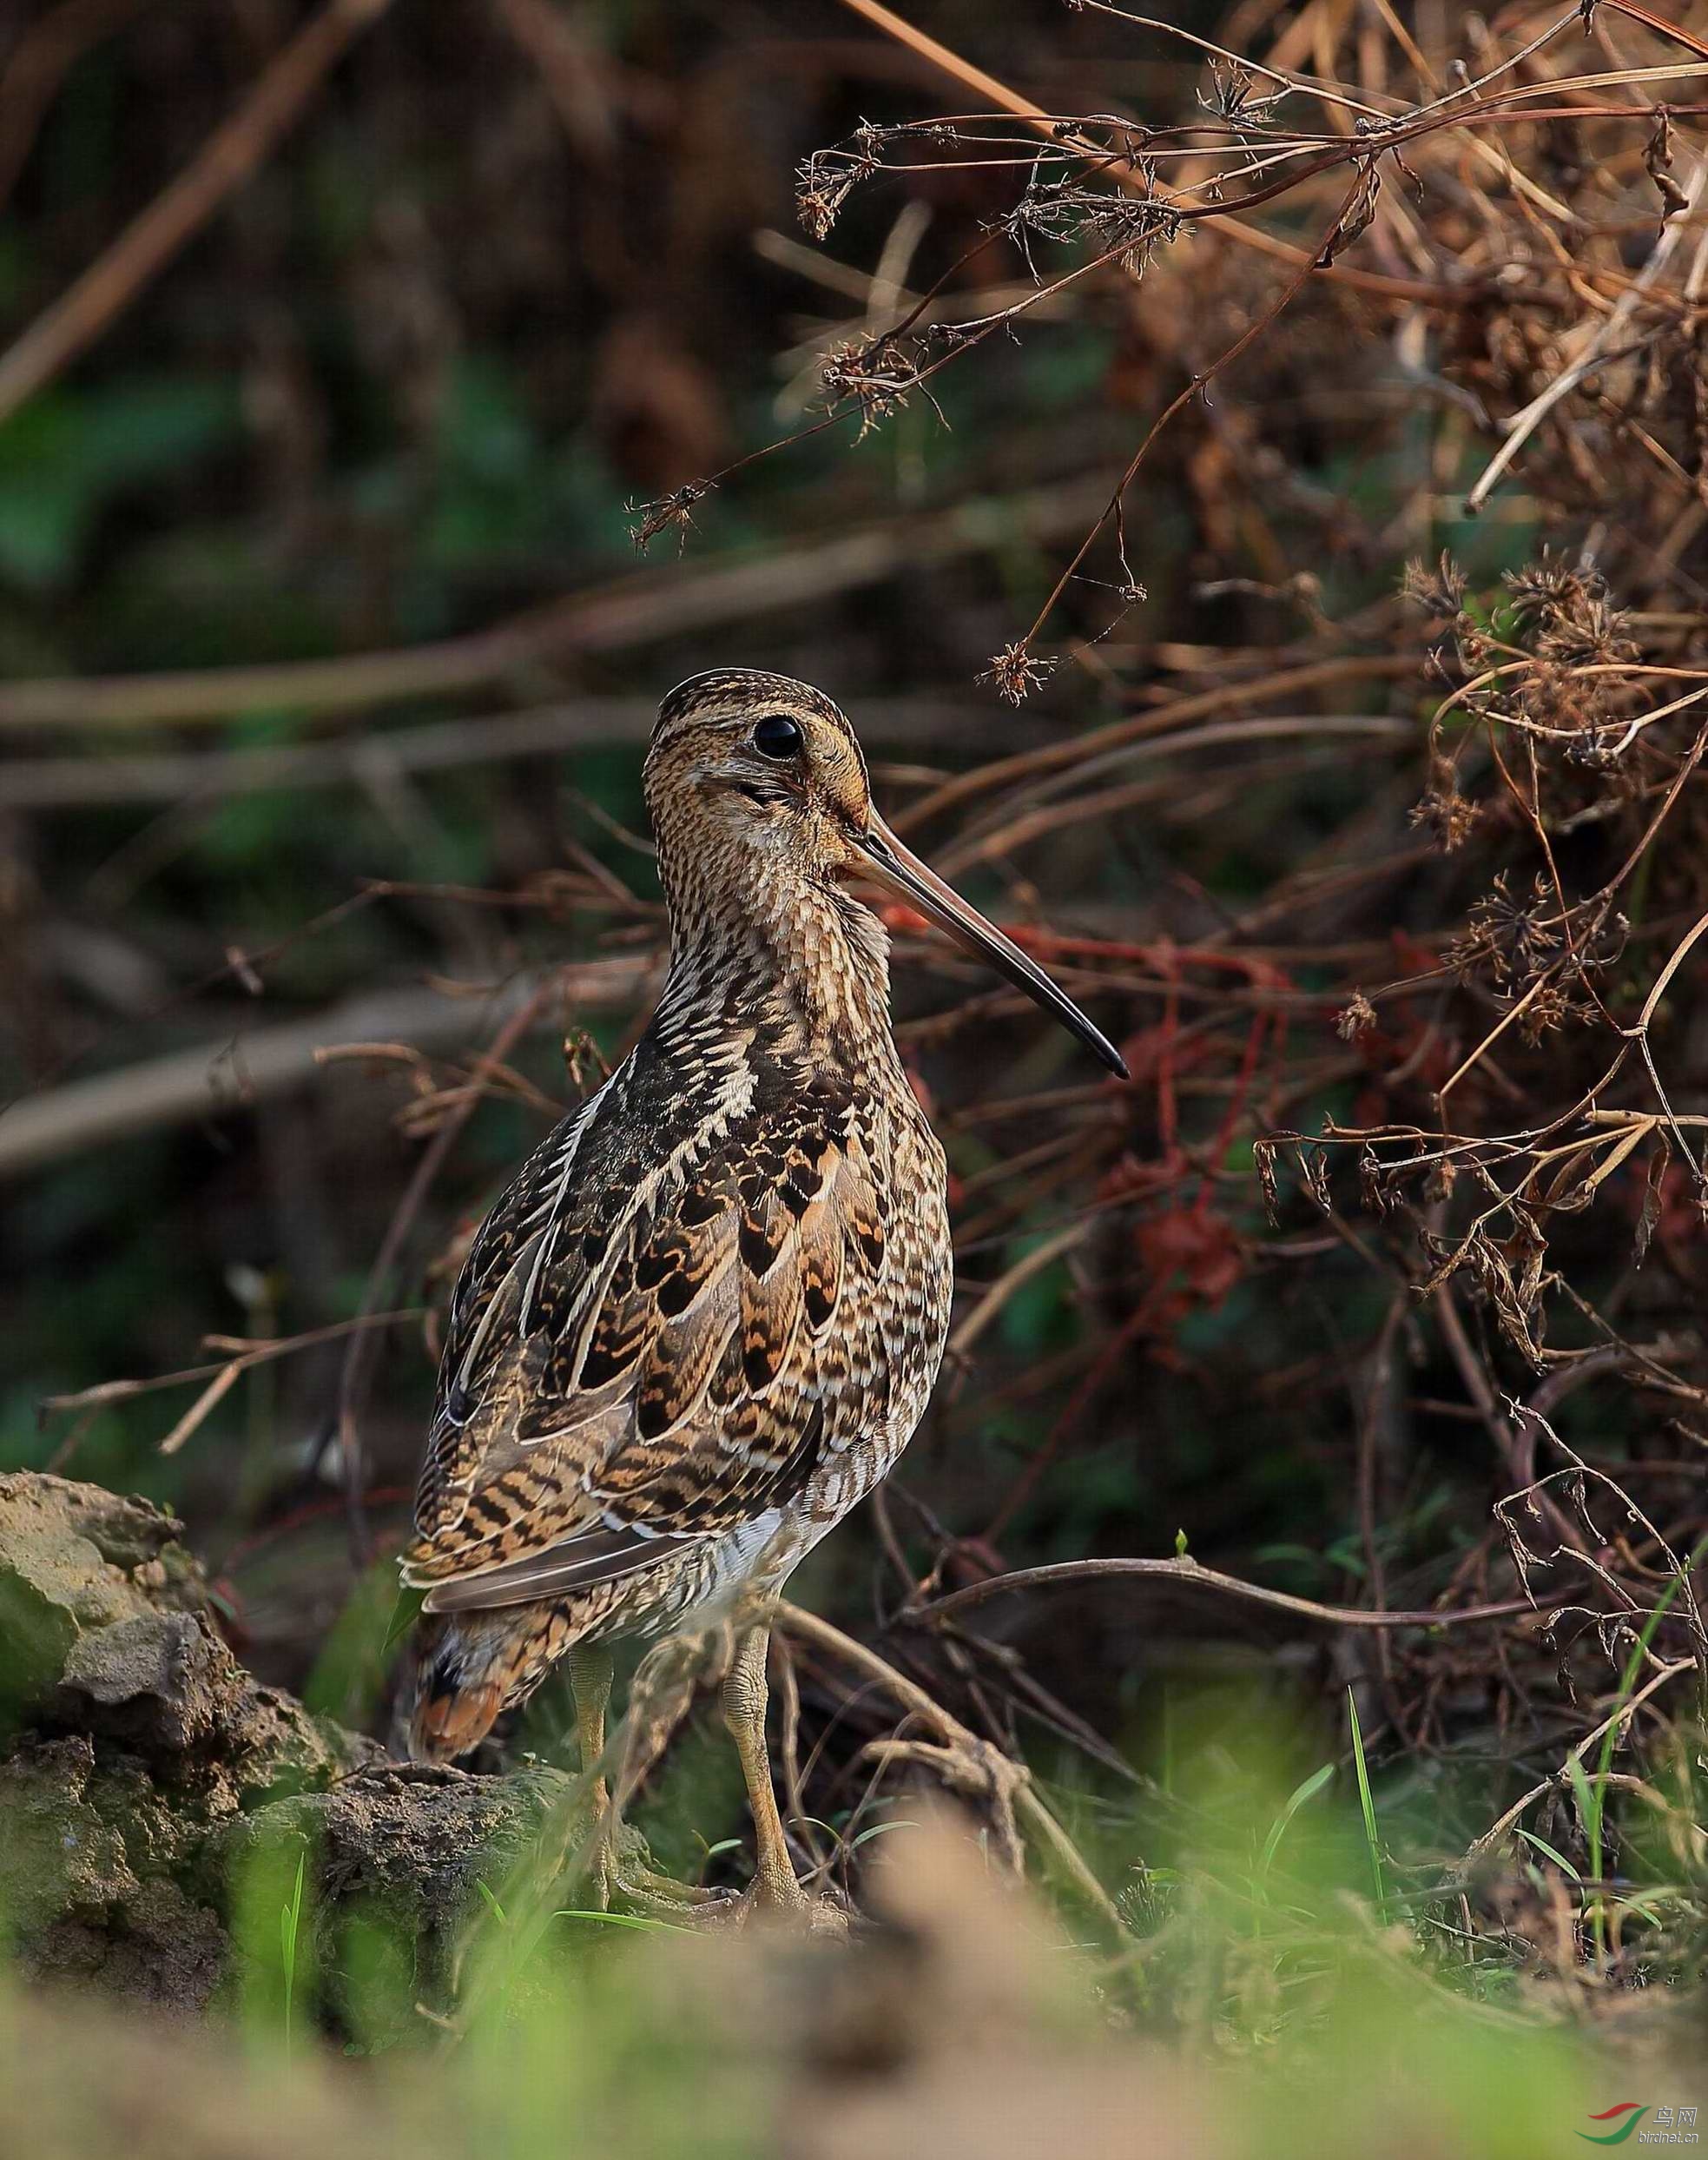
x=466, y=1667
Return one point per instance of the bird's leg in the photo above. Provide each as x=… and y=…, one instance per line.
x=746, y=1693
x=620, y=1862
x=591, y=1674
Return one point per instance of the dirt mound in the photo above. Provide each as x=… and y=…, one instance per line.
x=142, y=1766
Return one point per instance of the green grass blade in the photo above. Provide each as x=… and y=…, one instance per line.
x=1308, y=1791
x=641, y=1921
x=1372, y=1840
x=1548, y=1852
x=290, y=1920
x=1594, y=1818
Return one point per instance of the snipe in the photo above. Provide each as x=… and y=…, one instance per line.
x=706, y=1317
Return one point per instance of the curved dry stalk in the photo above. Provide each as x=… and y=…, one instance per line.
x=1185, y=1570
x=980, y=1766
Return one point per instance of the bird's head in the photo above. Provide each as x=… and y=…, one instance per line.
x=755, y=782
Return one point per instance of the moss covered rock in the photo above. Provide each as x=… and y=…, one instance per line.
x=144, y=1773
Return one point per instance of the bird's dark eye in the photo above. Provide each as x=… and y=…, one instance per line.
x=777, y=735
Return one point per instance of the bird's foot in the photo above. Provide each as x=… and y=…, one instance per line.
x=776, y=1895
x=624, y=1881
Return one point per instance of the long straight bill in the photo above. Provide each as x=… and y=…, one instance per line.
x=900, y=871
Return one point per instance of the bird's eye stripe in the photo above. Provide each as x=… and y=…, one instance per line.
x=779, y=736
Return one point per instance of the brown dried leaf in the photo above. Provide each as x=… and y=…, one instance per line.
x=1649, y=1215
x=1355, y=218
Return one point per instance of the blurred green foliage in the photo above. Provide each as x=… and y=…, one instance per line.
x=1262, y=2008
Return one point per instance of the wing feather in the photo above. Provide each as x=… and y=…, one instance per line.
x=578, y=1564
x=640, y=1347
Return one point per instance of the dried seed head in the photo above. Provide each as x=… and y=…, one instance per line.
x=824, y=182
x=1548, y=1011
x=1448, y=815
x=673, y=510
x=1514, y=937
x=1564, y=614
x=1016, y=671
x=1440, y=593
x=877, y=377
